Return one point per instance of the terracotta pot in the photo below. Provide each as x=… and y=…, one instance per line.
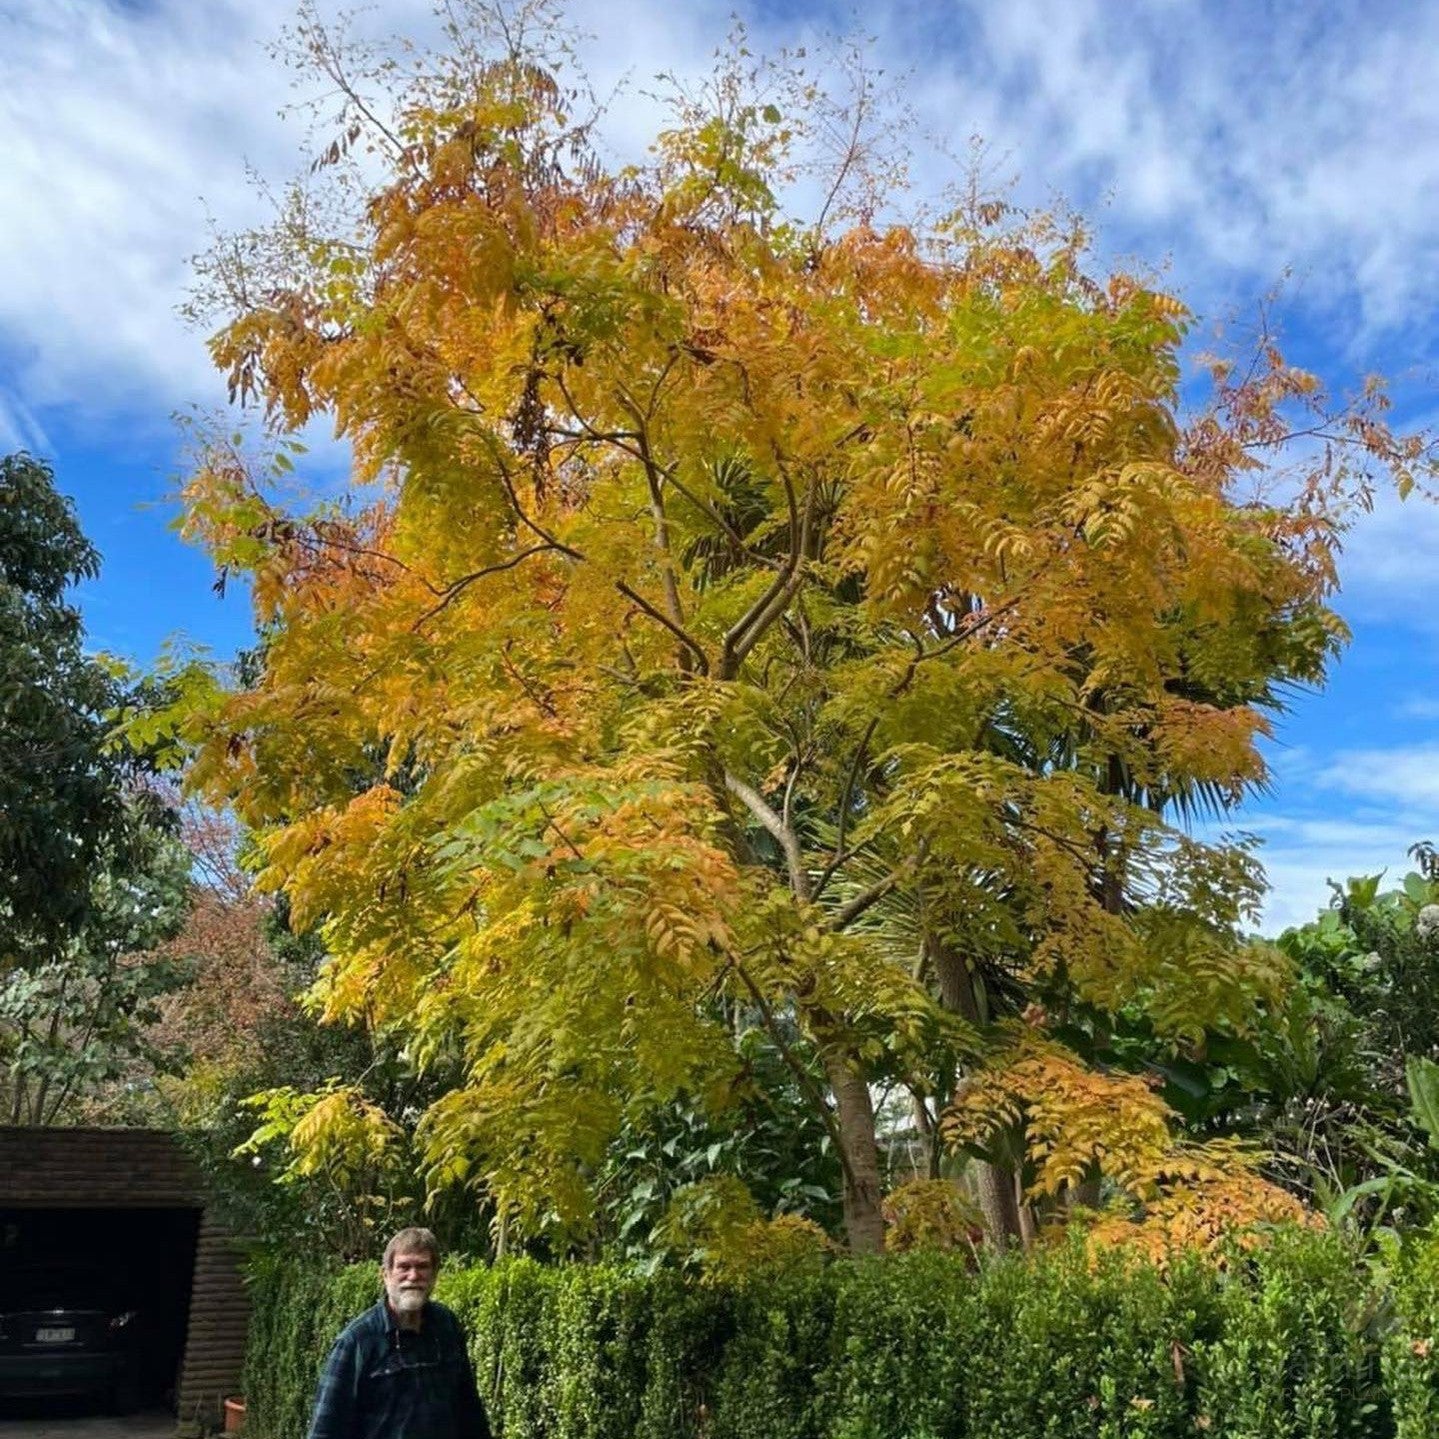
x=234, y=1414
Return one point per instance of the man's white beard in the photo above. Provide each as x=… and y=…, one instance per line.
x=408, y=1301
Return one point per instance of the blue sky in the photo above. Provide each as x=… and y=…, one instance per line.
x=1232, y=145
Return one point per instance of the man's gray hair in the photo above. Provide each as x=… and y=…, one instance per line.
x=412, y=1241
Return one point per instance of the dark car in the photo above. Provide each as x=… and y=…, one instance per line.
x=68, y=1331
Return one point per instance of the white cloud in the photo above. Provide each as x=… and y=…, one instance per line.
x=126, y=125
x=1239, y=146
x=19, y=429
x=1303, y=853
x=1390, y=562
x=1351, y=813
x=1404, y=775
x=117, y=121
x=1336, y=814
x=1300, y=873
x=1238, y=140
x=1243, y=141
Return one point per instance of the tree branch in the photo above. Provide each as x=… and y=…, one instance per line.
x=848, y=913
x=623, y=440
x=839, y=851
x=653, y=475
x=532, y=525
x=452, y=591
x=806, y=1080
x=751, y=627
x=978, y=621
x=702, y=663
x=784, y=836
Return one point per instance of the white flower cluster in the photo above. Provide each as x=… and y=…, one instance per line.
x=1426, y=924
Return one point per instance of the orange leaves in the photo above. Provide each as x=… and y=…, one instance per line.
x=1075, y=1123
x=1202, y=1197
x=305, y=857
x=1073, y=1120
x=1211, y=744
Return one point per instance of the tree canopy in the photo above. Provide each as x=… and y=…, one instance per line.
x=58, y=801
x=810, y=625
x=90, y=871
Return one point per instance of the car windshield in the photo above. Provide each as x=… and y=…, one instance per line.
x=57, y=1287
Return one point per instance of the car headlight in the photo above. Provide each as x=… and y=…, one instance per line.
x=120, y=1321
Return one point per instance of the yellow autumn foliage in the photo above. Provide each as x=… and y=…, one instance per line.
x=743, y=605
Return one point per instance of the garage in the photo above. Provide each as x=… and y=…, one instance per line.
x=120, y=1214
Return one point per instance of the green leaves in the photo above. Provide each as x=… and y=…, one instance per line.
x=1421, y=1074
x=1284, y=1342
x=61, y=788
x=91, y=872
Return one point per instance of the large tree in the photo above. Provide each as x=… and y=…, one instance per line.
x=59, y=804
x=808, y=617
x=91, y=874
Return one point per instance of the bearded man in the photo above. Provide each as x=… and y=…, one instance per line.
x=401, y=1370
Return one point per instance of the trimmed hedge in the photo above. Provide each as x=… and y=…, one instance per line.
x=1296, y=1341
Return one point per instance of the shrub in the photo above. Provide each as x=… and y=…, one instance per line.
x=1296, y=1354
x=1411, y=1349
x=297, y=1311
x=1284, y=1342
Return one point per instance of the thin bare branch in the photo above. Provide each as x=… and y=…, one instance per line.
x=653, y=476
x=459, y=586
x=840, y=854
x=694, y=647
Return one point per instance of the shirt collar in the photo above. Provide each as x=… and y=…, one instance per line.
x=391, y=1321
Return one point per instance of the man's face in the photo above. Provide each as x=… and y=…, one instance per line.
x=408, y=1281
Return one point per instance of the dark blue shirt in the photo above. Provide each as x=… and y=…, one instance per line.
x=385, y=1382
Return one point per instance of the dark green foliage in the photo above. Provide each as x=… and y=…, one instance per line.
x=765, y=1133
x=770, y=1383
x=1066, y=1348
x=1335, y=1097
x=91, y=870
x=690, y=1327
x=298, y=1311
x=1411, y=1348
x=60, y=803
x=1296, y=1352
x=1299, y=1340
x=902, y=1326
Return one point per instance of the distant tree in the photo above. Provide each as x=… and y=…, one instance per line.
x=1346, y=1092
x=91, y=873
x=76, y=1018
x=61, y=796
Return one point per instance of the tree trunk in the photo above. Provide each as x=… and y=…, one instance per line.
x=1027, y=1225
x=995, y=1184
x=994, y=1187
x=863, y=1220
x=929, y=1132
x=957, y=988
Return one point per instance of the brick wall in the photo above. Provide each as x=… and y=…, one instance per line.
x=142, y=1169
